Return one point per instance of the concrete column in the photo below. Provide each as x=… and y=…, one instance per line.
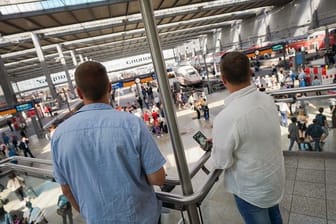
x=65, y=68
x=218, y=41
x=81, y=58
x=240, y=42
x=74, y=59
x=211, y=45
x=6, y=85
x=268, y=33
x=44, y=67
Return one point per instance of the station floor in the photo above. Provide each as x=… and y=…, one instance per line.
x=310, y=195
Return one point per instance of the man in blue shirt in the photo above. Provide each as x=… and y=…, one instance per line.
x=105, y=160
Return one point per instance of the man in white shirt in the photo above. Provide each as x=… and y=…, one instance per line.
x=247, y=145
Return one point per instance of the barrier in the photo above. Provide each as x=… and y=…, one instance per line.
x=326, y=75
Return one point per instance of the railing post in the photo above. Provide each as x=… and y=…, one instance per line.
x=159, y=65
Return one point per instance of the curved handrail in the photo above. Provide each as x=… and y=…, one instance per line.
x=180, y=201
x=193, y=171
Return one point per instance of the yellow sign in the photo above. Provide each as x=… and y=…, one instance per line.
x=7, y=112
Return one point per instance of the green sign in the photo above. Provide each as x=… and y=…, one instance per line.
x=277, y=47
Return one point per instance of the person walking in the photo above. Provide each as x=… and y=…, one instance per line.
x=293, y=134
x=25, y=148
x=64, y=209
x=106, y=161
x=247, y=144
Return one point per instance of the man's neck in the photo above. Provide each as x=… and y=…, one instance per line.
x=234, y=88
x=86, y=101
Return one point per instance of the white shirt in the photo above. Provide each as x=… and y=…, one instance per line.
x=247, y=144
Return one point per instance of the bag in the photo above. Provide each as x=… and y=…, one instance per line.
x=320, y=119
x=61, y=211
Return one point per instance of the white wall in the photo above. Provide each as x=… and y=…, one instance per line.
x=294, y=19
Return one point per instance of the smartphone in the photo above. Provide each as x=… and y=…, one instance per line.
x=201, y=139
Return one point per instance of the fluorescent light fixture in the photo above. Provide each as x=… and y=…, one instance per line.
x=14, y=2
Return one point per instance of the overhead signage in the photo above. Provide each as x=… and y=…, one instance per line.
x=138, y=60
x=7, y=112
x=117, y=85
x=277, y=47
x=24, y=106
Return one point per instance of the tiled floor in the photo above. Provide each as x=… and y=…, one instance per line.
x=310, y=179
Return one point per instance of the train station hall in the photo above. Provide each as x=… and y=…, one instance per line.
x=168, y=111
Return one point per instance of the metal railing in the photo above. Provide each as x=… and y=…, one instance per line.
x=290, y=93
x=302, y=89
x=170, y=200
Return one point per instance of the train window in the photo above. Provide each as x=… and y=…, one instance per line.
x=192, y=73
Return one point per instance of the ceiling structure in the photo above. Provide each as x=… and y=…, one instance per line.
x=110, y=29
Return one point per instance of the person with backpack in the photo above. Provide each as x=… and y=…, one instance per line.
x=322, y=121
x=64, y=209
x=315, y=132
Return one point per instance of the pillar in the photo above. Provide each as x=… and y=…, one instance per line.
x=211, y=45
x=81, y=58
x=44, y=67
x=65, y=68
x=74, y=59
x=6, y=85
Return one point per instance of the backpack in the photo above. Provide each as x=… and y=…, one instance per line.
x=320, y=119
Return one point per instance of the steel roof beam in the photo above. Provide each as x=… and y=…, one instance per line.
x=132, y=32
x=61, y=9
x=108, y=23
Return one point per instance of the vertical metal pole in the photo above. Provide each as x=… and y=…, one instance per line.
x=205, y=64
x=284, y=54
x=65, y=68
x=327, y=46
x=159, y=65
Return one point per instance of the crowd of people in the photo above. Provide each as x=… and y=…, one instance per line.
x=30, y=214
x=12, y=145
x=309, y=136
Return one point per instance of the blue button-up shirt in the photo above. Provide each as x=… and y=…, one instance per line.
x=104, y=156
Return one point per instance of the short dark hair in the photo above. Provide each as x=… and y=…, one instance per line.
x=321, y=109
x=91, y=78
x=235, y=67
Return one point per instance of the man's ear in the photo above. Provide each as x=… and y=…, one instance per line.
x=110, y=87
x=224, y=80
x=80, y=94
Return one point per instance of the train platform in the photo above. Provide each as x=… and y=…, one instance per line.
x=310, y=196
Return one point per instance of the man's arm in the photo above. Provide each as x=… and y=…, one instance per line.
x=67, y=192
x=157, y=178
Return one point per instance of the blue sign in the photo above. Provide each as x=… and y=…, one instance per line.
x=24, y=106
x=117, y=85
x=299, y=58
